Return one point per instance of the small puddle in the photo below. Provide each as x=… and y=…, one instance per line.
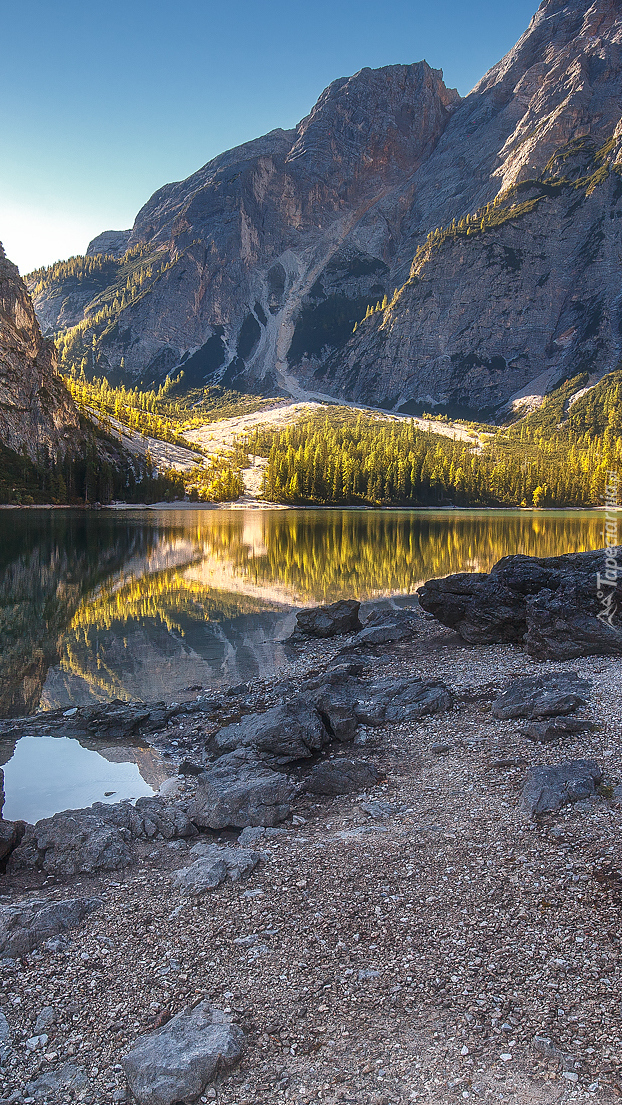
x=48, y=774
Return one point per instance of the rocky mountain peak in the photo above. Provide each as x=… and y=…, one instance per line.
x=375, y=122
x=496, y=215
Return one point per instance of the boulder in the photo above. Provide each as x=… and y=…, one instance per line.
x=239, y=791
x=341, y=776
x=329, y=621
x=174, y=1064
x=98, y=838
x=26, y=925
x=293, y=731
x=391, y=700
x=213, y=866
x=547, y=789
x=335, y=703
x=383, y=634
x=543, y=696
x=561, y=728
x=550, y=605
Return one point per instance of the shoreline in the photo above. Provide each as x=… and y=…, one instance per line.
x=254, y=504
x=417, y=940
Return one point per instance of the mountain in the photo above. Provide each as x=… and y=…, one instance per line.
x=37, y=416
x=491, y=225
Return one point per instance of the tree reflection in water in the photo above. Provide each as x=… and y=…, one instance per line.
x=143, y=604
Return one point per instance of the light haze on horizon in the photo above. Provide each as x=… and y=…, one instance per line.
x=102, y=106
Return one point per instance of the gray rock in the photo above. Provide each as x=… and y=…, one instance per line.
x=543, y=696
x=175, y=1063
x=213, y=867
x=341, y=776
x=51, y=1085
x=293, y=731
x=26, y=925
x=45, y=1019
x=404, y=700
x=239, y=791
x=561, y=728
x=335, y=704
x=98, y=838
x=377, y=809
x=547, y=789
x=329, y=621
x=8, y=838
x=384, y=633
x=548, y=604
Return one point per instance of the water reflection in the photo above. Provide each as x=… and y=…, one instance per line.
x=48, y=774
x=146, y=604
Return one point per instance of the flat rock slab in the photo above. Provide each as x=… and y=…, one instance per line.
x=405, y=700
x=560, y=728
x=213, y=866
x=239, y=791
x=341, y=776
x=98, y=838
x=174, y=1064
x=547, y=789
x=330, y=621
x=541, y=697
x=26, y=925
x=383, y=634
x=293, y=731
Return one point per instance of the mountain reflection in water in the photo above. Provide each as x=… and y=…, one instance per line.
x=152, y=604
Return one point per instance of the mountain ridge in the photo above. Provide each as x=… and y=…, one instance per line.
x=262, y=262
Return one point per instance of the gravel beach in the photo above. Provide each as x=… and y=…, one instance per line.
x=422, y=941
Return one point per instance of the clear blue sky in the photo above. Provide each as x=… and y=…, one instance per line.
x=102, y=103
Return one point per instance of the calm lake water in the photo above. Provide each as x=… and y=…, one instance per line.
x=143, y=605
x=146, y=605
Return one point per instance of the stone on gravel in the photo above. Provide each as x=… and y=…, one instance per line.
x=341, y=776
x=45, y=1019
x=549, y=604
x=26, y=925
x=98, y=838
x=239, y=791
x=543, y=696
x=383, y=634
x=561, y=728
x=547, y=789
x=213, y=866
x=329, y=621
x=335, y=705
x=8, y=838
x=404, y=700
x=293, y=731
x=174, y=1064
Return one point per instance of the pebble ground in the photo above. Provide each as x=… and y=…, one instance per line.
x=418, y=951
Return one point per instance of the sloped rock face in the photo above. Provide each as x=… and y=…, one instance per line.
x=37, y=414
x=277, y=247
x=249, y=236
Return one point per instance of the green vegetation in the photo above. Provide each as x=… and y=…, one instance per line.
x=548, y=458
x=101, y=474
x=578, y=169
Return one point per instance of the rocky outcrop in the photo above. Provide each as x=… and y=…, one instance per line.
x=240, y=791
x=262, y=262
x=552, y=605
x=213, y=866
x=37, y=416
x=100, y=838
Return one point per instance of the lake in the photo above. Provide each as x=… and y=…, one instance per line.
x=158, y=604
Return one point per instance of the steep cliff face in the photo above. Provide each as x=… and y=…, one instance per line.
x=256, y=269
x=36, y=413
x=223, y=262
